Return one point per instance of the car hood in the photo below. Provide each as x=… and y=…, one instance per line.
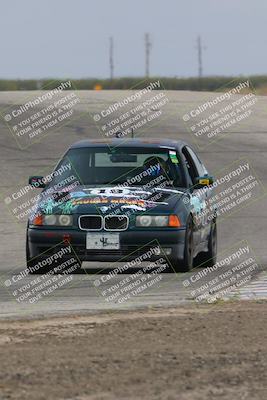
x=108, y=199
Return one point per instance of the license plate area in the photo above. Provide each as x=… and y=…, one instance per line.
x=102, y=241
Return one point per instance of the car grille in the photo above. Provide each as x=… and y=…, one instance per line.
x=108, y=223
x=91, y=222
x=116, y=222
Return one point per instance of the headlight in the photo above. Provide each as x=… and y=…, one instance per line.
x=53, y=220
x=154, y=221
x=161, y=220
x=143, y=220
x=65, y=220
x=50, y=219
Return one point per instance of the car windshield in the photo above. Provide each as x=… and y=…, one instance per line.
x=128, y=166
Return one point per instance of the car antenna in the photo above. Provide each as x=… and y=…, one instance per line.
x=119, y=134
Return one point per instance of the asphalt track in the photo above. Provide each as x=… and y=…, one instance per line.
x=247, y=140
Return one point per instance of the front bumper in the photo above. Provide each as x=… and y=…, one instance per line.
x=132, y=244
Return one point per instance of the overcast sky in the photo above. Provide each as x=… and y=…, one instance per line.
x=70, y=38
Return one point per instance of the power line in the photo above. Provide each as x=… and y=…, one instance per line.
x=200, y=49
x=111, y=57
x=148, y=46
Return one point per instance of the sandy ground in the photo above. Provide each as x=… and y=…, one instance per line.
x=186, y=353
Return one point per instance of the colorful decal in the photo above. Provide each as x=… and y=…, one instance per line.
x=133, y=207
x=98, y=200
x=196, y=203
x=173, y=157
x=78, y=194
x=48, y=206
x=108, y=192
x=67, y=208
x=107, y=197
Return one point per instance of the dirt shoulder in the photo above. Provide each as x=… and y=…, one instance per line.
x=186, y=353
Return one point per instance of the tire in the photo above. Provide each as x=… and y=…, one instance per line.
x=187, y=263
x=208, y=259
x=30, y=262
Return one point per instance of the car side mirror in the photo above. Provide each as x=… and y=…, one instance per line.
x=37, y=182
x=202, y=181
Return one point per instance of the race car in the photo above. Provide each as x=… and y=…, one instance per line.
x=112, y=200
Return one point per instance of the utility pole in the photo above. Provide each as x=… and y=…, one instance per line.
x=148, y=46
x=199, y=51
x=111, y=57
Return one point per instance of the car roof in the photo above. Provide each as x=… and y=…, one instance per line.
x=136, y=142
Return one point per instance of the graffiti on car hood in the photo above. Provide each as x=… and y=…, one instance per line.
x=135, y=199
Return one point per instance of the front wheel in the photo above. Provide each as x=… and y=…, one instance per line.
x=208, y=259
x=186, y=264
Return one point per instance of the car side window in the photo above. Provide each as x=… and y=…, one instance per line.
x=191, y=167
x=200, y=168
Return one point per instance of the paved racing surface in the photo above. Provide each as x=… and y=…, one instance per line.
x=245, y=225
